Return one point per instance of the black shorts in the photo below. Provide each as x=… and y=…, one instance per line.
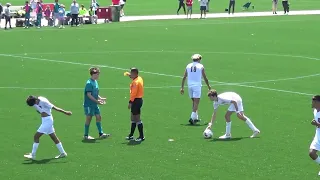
x=136, y=106
x=203, y=8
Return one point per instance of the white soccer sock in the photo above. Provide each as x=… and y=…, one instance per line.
x=228, y=128
x=197, y=115
x=193, y=115
x=60, y=147
x=317, y=160
x=34, y=148
x=250, y=124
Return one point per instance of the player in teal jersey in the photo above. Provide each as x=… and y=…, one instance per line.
x=55, y=12
x=91, y=101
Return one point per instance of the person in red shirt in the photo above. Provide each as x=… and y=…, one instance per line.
x=189, y=7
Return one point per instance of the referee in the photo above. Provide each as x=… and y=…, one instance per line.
x=135, y=104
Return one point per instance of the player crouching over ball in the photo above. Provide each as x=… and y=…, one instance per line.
x=235, y=102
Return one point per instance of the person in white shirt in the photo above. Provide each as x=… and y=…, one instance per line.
x=203, y=8
x=7, y=16
x=315, y=145
x=235, y=105
x=74, y=11
x=44, y=107
x=122, y=3
x=194, y=72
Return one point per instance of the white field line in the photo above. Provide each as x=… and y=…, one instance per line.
x=169, y=51
x=160, y=74
x=66, y=88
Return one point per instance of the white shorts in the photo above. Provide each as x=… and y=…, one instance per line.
x=240, y=107
x=195, y=92
x=315, y=144
x=47, y=126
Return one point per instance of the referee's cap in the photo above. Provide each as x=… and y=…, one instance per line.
x=196, y=57
x=8, y=4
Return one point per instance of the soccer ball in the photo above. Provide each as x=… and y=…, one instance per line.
x=207, y=134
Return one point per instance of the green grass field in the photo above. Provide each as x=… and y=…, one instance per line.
x=54, y=63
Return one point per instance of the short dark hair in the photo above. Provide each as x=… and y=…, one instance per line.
x=94, y=70
x=212, y=93
x=134, y=70
x=316, y=98
x=31, y=100
x=27, y=1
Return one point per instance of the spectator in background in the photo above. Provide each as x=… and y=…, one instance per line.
x=189, y=8
x=39, y=14
x=285, y=5
x=61, y=15
x=82, y=13
x=7, y=16
x=203, y=8
x=74, y=10
x=95, y=5
x=181, y=5
x=1, y=10
x=274, y=6
x=33, y=4
x=27, y=9
x=122, y=3
x=232, y=3
x=208, y=6
x=47, y=14
x=93, y=17
x=55, y=12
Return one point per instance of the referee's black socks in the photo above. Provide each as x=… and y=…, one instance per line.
x=140, y=128
x=133, y=128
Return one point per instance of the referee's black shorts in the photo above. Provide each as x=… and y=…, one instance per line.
x=136, y=106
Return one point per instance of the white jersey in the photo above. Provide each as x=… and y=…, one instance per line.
x=316, y=140
x=203, y=2
x=44, y=106
x=226, y=98
x=317, y=119
x=194, y=71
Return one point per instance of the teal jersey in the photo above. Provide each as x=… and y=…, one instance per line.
x=56, y=8
x=93, y=87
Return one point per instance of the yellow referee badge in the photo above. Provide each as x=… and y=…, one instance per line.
x=126, y=74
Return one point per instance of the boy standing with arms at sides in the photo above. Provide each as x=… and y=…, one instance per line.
x=189, y=8
x=91, y=101
x=61, y=14
x=39, y=14
x=27, y=8
x=7, y=15
x=135, y=103
x=203, y=8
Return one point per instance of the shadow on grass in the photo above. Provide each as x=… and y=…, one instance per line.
x=195, y=125
x=42, y=161
x=231, y=139
x=132, y=143
x=89, y=141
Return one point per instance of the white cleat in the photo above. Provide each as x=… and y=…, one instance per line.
x=62, y=155
x=255, y=134
x=88, y=138
x=319, y=173
x=226, y=136
x=29, y=156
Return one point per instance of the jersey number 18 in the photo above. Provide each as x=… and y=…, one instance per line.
x=193, y=69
